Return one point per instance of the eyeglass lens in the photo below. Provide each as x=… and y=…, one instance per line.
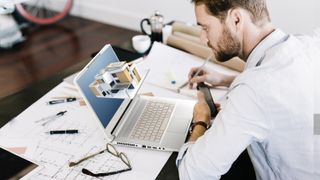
x=111, y=149
x=125, y=159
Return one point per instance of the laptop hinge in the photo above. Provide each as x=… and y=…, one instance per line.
x=121, y=116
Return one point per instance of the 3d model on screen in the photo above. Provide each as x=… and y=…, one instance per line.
x=116, y=80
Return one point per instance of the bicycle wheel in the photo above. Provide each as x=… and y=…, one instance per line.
x=44, y=12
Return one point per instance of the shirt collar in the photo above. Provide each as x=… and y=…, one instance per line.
x=259, y=51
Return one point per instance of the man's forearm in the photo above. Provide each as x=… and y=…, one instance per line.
x=197, y=132
x=227, y=80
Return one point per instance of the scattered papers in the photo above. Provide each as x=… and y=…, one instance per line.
x=54, y=152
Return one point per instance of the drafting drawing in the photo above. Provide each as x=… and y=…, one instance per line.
x=54, y=152
x=58, y=168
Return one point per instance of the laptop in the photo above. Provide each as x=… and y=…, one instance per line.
x=110, y=89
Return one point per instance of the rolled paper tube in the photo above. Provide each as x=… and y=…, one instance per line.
x=189, y=37
x=202, y=51
x=192, y=30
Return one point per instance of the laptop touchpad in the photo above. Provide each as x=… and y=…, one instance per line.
x=178, y=125
x=173, y=140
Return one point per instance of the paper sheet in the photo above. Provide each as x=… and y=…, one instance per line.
x=54, y=152
x=168, y=64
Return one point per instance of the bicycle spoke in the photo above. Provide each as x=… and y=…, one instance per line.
x=49, y=11
x=29, y=5
x=43, y=9
x=35, y=10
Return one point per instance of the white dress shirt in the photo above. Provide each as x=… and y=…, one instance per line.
x=270, y=111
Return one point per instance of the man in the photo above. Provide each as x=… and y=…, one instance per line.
x=271, y=108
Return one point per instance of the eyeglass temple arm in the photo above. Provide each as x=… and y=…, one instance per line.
x=85, y=158
x=87, y=172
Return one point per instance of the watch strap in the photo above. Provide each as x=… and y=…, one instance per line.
x=201, y=123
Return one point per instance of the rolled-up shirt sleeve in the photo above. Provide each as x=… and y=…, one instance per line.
x=183, y=151
x=240, y=122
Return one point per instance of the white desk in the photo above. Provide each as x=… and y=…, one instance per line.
x=26, y=137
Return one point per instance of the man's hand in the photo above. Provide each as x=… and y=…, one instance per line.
x=213, y=78
x=201, y=112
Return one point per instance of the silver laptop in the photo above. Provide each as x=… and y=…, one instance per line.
x=110, y=89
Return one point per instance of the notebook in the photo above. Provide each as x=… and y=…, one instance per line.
x=110, y=87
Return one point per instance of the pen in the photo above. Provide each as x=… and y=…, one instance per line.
x=197, y=72
x=58, y=101
x=70, y=131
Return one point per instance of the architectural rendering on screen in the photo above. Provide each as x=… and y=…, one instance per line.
x=116, y=80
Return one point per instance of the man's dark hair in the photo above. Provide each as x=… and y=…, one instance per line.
x=219, y=8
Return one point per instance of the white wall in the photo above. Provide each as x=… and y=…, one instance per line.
x=292, y=16
x=295, y=16
x=129, y=13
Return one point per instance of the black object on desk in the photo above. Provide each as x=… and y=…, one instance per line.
x=58, y=101
x=69, y=131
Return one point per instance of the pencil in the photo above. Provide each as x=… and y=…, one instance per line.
x=197, y=72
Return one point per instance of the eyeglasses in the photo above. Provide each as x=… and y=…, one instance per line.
x=112, y=150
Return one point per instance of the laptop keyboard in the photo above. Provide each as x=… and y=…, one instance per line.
x=153, y=121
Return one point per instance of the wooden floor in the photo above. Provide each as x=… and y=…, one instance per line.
x=48, y=50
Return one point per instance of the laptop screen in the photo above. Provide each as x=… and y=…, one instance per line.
x=105, y=108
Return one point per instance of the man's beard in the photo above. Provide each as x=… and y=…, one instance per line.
x=228, y=46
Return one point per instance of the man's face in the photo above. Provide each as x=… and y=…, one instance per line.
x=224, y=44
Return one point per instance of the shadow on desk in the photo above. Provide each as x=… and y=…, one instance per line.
x=13, y=105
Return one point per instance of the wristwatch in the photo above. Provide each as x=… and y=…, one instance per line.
x=201, y=123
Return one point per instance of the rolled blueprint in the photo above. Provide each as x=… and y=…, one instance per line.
x=188, y=37
x=187, y=29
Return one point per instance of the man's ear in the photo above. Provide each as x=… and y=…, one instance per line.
x=235, y=19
